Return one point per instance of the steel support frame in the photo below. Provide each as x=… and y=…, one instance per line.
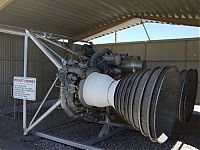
x=33, y=123
x=64, y=141
x=88, y=145
x=104, y=133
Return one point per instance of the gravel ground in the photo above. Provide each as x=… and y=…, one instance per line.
x=58, y=125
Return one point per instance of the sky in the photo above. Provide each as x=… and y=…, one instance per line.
x=156, y=31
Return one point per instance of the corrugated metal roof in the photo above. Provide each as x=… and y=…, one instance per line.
x=75, y=17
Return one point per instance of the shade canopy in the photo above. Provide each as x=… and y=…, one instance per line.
x=88, y=19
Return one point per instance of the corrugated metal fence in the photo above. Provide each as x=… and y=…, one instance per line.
x=183, y=53
x=11, y=64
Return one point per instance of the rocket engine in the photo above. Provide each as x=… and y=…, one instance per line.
x=151, y=100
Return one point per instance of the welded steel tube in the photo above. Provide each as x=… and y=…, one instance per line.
x=43, y=116
x=47, y=52
x=25, y=75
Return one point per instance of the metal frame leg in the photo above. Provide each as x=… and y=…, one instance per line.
x=107, y=129
x=14, y=109
x=89, y=143
x=110, y=134
x=57, y=63
x=45, y=98
x=52, y=108
x=25, y=75
x=66, y=142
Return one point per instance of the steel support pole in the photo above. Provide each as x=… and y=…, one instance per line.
x=58, y=45
x=25, y=75
x=62, y=59
x=115, y=37
x=47, y=52
x=14, y=108
x=52, y=108
x=67, y=142
x=100, y=139
x=43, y=101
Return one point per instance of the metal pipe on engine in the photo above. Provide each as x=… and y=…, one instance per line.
x=63, y=100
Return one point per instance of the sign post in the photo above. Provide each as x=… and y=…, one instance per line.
x=25, y=75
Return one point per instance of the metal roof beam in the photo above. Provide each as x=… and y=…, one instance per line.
x=4, y=3
x=94, y=31
x=11, y=30
x=181, y=21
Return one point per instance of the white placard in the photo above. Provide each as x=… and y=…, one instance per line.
x=24, y=88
